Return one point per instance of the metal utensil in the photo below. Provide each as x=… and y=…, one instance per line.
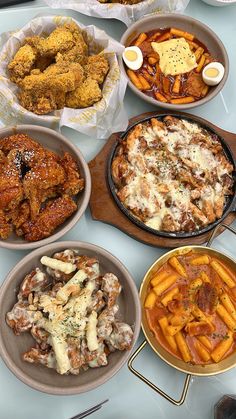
x=89, y=411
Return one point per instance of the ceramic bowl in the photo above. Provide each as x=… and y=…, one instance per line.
x=56, y=142
x=202, y=32
x=12, y=346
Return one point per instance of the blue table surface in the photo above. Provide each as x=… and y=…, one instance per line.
x=128, y=397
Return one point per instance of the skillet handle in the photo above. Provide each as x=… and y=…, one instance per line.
x=153, y=386
x=215, y=231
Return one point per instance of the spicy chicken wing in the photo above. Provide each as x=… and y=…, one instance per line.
x=40, y=179
x=11, y=191
x=50, y=217
x=73, y=183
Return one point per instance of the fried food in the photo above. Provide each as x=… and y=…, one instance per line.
x=97, y=68
x=22, y=63
x=85, y=95
x=47, y=69
x=53, y=215
x=37, y=188
x=121, y=1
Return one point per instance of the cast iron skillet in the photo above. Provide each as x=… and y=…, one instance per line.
x=230, y=204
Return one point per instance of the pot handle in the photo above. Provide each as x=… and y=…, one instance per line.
x=153, y=386
x=209, y=243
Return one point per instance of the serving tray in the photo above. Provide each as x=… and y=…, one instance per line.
x=104, y=208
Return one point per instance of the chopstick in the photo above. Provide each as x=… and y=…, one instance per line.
x=88, y=412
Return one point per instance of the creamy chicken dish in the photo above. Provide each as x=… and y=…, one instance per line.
x=172, y=175
x=70, y=308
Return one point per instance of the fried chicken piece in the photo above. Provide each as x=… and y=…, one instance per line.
x=11, y=191
x=22, y=63
x=45, y=92
x=61, y=39
x=39, y=180
x=42, y=63
x=195, y=84
x=5, y=228
x=97, y=68
x=85, y=95
x=74, y=55
x=49, y=218
x=73, y=183
x=19, y=216
x=30, y=151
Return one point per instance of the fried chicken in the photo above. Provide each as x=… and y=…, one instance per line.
x=97, y=68
x=40, y=180
x=85, y=95
x=22, y=63
x=56, y=71
x=45, y=92
x=11, y=191
x=50, y=217
x=73, y=183
x=30, y=151
x=5, y=228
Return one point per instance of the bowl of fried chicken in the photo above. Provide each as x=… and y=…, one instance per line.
x=45, y=186
x=56, y=72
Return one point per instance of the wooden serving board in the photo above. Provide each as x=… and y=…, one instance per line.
x=104, y=208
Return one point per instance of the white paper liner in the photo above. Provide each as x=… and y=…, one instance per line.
x=98, y=121
x=125, y=13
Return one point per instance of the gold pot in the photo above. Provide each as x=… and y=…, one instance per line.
x=189, y=369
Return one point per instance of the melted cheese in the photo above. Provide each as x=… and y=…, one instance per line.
x=59, y=265
x=176, y=56
x=91, y=334
x=64, y=292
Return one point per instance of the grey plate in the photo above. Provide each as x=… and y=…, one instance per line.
x=58, y=143
x=12, y=346
x=202, y=33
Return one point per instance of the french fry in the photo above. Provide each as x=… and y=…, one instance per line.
x=200, y=260
x=150, y=300
x=173, y=261
x=163, y=322
x=182, y=100
x=202, y=352
x=225, y=316
x=228, y=305
x=154, y=36
x=146, y=85
x=200, y=64
x=222, y=273
x=205, y=341
x=135, y=80
x=182, y=34
x=198, y=53
x=172, y=330
x=205, y=277
x=159, y=277
x=141, y=38
x=196, y=283
x=176, y=85
x=160, y=97
x=183, y=347
x=165, y=284
x=221, y=349
x=169, y=296
x=164, y=37
x=204, y=91
x=193, y=45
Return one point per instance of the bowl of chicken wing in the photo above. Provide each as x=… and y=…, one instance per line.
x=45, y=186
x=69, y=317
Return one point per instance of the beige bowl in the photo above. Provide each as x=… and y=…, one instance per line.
x=12, y=346
x=56, y=142
x=203, y=34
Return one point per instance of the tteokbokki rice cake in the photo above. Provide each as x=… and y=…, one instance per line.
x=190, y=306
